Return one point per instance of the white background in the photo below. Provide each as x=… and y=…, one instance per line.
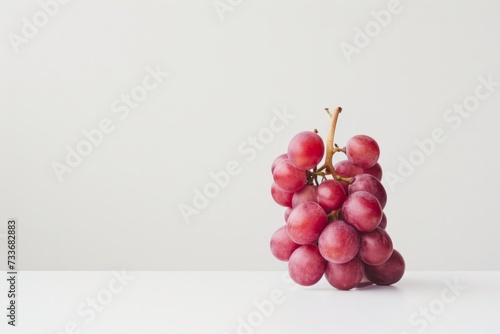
x=120, y=207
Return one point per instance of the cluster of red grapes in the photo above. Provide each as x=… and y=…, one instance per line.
x=334, y=226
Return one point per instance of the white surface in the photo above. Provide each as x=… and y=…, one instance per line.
x=212, y=302
x=120, y=206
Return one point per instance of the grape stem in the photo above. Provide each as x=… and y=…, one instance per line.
x=331, y=149
x=334, y=215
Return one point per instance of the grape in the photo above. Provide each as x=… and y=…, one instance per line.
x=369, y=183
x=383, y=222
x=354, y=250
x=306, y=194
x=306, y=150
x=362, y=210
x=347, y=169
x=331, y=195
x=306, y=266
x=388, y=272
x=339, y=242
x=306, y=222
x=375, y=247
x=280, y=196
x=362, y=151
x=281, y=245
x=364, y=281
x=375, y=170
x=344, y=276
x=279, y=159
x=289, y=178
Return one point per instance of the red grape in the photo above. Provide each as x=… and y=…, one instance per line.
x=280, y=196
x=363, y=151
x=344, y=276
x=306, y=222
x=383, y=222
x=362, y=210
x=347, y=169
x=339, y=242
x=375, y=247
x=278, y=159
x=306, y=265
x=306, y=150
x=306, y=194
x=331, y=195
x=281, y=245
x=289, y=178
x=369, y=183
x=375, y=170
x=388, y=272
x=354, y=250
x=287, y=213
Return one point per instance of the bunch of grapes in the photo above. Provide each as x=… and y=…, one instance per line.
x=335, y=224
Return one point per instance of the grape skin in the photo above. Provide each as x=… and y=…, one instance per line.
x=339, y=242
x=278, y=159
x=331, y=195
x=383, y=222
x=369, y=183
x=306, y=194
x=344, y=276
x=306, y=150
x=287, y=213
x=306, y=222
x=362, y=210
x=362, y=151
x=306, y=265
x=281, y=245
x=375, y=170
x=289, y=178
x=389, y=272
x=375, y=247
x=283, y=198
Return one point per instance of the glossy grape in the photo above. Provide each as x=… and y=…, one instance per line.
x=283, y=198
x=289, y=178
x=281, y=245
x=306, y=150
x=306, y=194
x=375, y=247
x=369, y=183
x=375, y=170
x=344, y=276
x=362, y=151
x=306, y=222
x=339, y=242
x=306, y=266
x=331, y=195
x=362, y=210
x=388, y=272
x=278, y=159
